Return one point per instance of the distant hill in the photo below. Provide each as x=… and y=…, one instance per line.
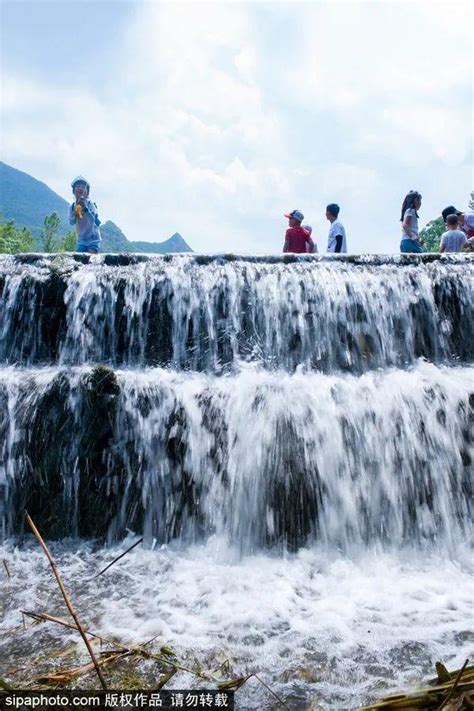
x=114, y=240
x=28, y=201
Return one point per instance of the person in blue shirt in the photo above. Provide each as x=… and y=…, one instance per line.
x=83, y=214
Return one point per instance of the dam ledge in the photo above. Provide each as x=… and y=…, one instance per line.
x=129, y=258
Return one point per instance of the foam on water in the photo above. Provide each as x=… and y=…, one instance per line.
x=354, y=627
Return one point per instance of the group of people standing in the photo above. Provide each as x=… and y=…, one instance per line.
x=459, y=227
x=298, y=236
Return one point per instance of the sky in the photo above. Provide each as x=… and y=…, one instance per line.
x=214, y=119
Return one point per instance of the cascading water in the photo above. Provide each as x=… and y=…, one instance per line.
x=304, y=412
x=264, y=457
x=204, y=314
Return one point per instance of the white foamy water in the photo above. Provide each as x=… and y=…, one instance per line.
x=315, y=625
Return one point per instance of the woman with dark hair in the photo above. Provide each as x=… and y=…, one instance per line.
x=409, y=219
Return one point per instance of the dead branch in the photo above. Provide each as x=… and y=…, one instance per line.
x=118, y=558
x=5, y=565
x=453, y=688
x=66, y=598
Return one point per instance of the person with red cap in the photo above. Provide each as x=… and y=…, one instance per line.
x=297, y=238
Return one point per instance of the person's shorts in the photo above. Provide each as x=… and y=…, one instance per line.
x=410, y=246
x=92, y=247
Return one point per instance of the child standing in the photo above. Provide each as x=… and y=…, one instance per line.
x=454, y=239
x=83, y=214
x=410, y=238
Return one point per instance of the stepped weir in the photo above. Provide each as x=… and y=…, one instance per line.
x=273, y=400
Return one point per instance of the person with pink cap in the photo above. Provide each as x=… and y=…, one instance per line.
x=297, y=238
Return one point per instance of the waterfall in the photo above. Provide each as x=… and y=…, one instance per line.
x=195, y=313
x=272, y=400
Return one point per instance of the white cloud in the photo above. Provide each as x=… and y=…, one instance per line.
x=357, y=182
x=440, y=132
x=245, y=62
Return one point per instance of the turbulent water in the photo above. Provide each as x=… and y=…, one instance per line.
x=292, y=436
x=314, y=625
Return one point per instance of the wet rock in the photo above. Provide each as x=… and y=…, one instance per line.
x=53, y=314
x=29, y=258
x=295, y=342
x=441, y=417
x=42, y=481
x=412, y=654
x=159, y=337
x=202, y=259
x=81, y=257
x=124, y=260
x=97, y=500
x=466, y=458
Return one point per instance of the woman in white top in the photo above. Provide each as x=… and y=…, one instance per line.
x=410, y=238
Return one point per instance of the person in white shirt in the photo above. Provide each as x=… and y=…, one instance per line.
x=410, y=238
x=453, y=240
x=465, y=219
x=337, y=233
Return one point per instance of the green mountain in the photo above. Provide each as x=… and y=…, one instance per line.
x=114, y=240
x=28, y=201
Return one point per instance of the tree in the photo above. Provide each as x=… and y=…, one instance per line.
x=69, y=242
x=50, y=233
x=13, y=240
x=431, y=235
x=50, y=236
